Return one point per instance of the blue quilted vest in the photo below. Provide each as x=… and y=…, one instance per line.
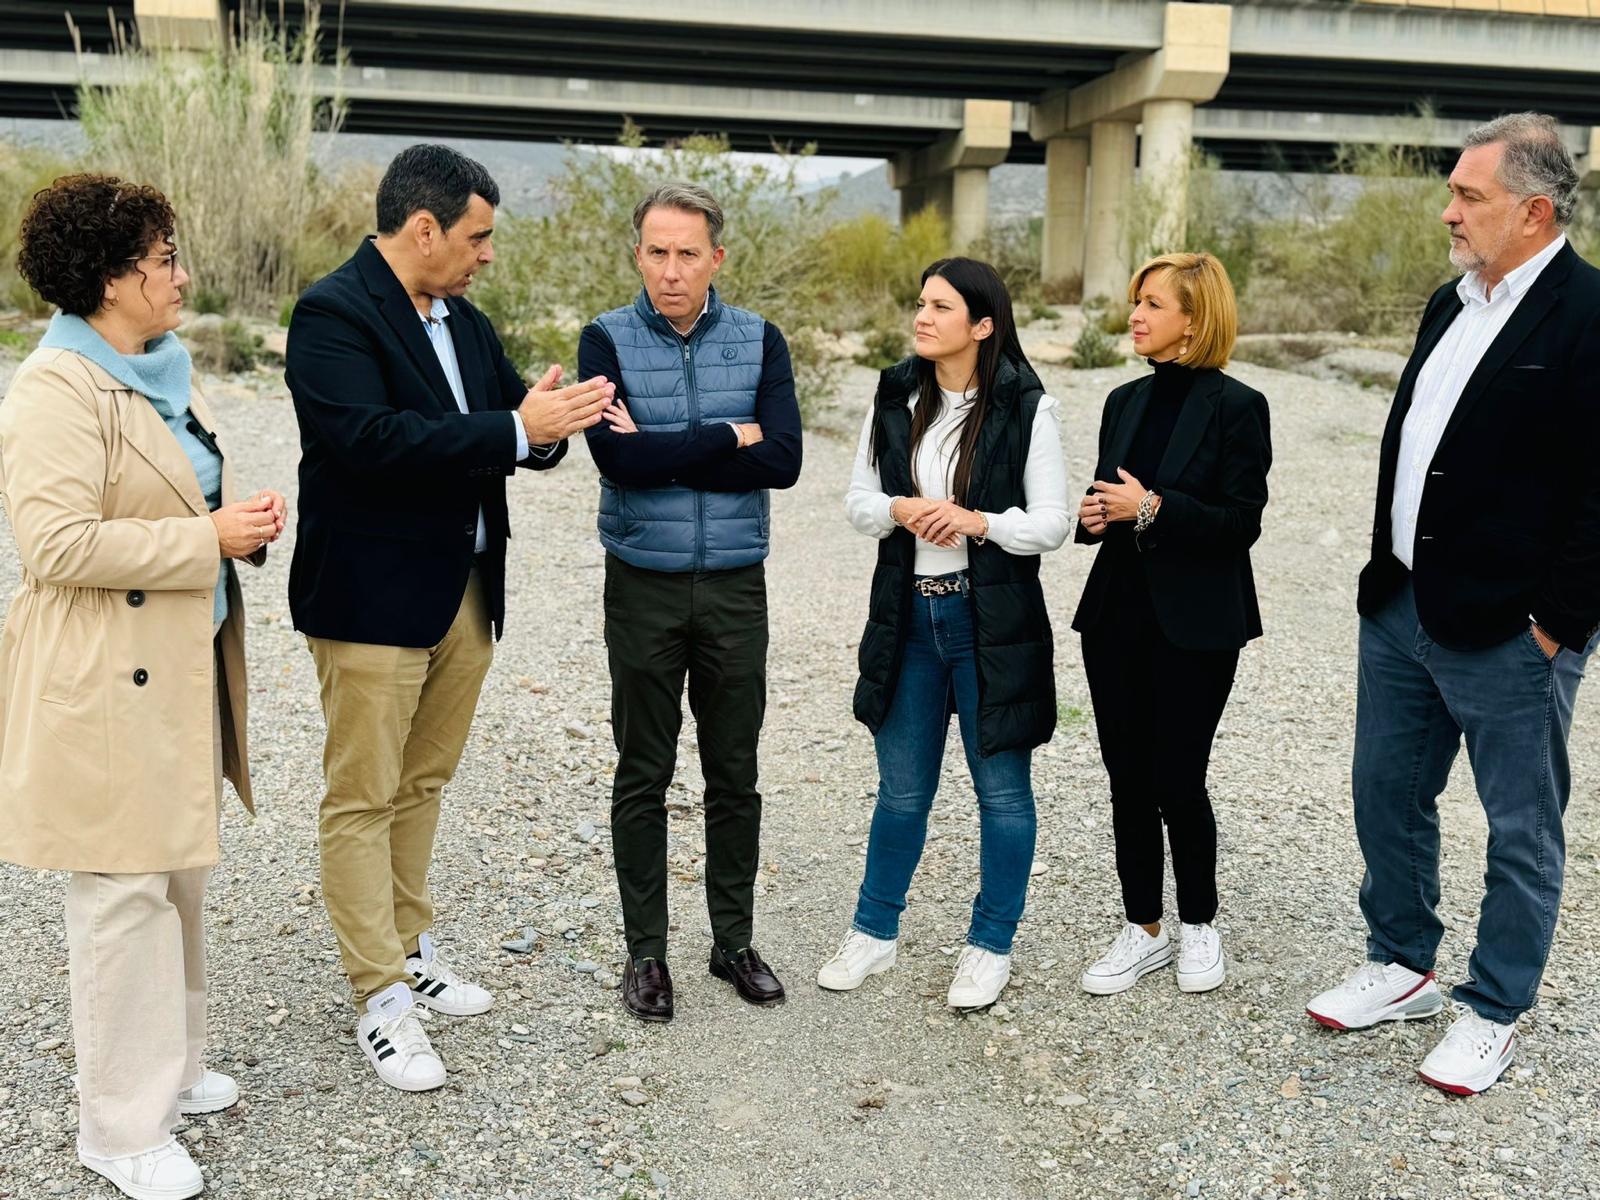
x=675, y=383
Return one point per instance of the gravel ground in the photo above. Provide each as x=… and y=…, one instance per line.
x=884, y=1092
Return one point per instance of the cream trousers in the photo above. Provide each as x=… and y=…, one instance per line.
x=136, y=950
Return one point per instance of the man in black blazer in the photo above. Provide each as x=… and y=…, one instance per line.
x=411, y=417
x=1481, y=601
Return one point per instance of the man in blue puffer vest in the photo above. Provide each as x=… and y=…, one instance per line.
x=703, y=423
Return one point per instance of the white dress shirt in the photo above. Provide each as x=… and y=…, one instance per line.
x=1442, y=380
x=1042, y=525
x=433, y=321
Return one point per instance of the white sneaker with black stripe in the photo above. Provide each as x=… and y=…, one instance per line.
x=434, y=985
x=393, y=1040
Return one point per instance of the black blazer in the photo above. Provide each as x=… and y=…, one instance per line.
x=392, y=473
x=1213, y=485
x=1509, y=526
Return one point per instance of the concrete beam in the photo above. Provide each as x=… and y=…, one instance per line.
x=180, y=24
x=1105, y=256
x=952, y=175
x=1589, y=161
x=1190, y=65
x=1066, y=186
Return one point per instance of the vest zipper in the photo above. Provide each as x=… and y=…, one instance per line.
x=693, y=398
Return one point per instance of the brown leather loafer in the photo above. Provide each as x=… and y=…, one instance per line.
x=751, y=978
x=647, y=989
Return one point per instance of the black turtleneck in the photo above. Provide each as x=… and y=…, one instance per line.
x=1167, y=394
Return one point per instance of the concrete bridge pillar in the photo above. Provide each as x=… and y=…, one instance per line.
x=1165, y=136
x=180, y=24
x=1066, y=186
x=1161, y=90
x=952, y=175
x=1105, y=255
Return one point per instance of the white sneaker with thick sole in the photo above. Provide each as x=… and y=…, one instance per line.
x=1376, y=992
x=393, y=1041
x=1474, y=1052
x=434, y=985
x=213, y=1093
x=165, y=1173
x=1200, y=963
x=981, y=975
x=1132, y=956
x=860, y=955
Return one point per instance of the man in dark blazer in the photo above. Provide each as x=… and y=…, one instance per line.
x=411, y=417
x=1481, y=602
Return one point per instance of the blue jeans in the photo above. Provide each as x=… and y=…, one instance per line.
x=1415, y=701
x=938, y=668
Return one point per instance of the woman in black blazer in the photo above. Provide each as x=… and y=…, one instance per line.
x=1176, y=505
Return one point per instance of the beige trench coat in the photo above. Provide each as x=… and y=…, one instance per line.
x=107, y=682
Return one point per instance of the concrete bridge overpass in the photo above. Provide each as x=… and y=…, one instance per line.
x=1090, y=87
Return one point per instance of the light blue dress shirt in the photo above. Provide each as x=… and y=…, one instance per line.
x=433, y=321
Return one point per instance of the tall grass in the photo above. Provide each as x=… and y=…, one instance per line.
x=226, y=134
x=23, y=171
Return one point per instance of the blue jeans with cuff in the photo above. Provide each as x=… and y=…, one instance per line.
x=938, y=675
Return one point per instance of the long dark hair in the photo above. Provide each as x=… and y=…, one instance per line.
x=980, y=285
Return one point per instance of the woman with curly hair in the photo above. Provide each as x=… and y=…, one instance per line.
x=122, y=675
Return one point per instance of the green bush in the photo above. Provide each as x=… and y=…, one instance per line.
x=885, y=345
x=1095, y=348
x=23, y=171
x=556, y=271
x=222, y=346
x=1014, y=249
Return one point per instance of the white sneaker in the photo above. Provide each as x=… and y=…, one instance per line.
x=436, y=986
x=1132, y=956
x=213, y=1093
x=860, y=955
x=394, y=1043
x=981, y=975
x=1472, y=1055
x=165, y=1173
x=1376, y=992
x=1200, y=965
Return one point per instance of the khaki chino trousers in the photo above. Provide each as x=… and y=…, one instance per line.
x=136, y=953
x=398, y=719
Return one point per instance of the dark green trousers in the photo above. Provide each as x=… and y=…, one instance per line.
x=661, y=628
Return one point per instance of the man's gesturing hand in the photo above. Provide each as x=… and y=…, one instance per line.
x=550, y=414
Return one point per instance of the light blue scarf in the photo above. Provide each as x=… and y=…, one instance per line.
x=162, y=375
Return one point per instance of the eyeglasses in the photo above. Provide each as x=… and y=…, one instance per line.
x=170, y=259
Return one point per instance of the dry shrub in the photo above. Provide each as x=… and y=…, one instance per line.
x=226, y=135
x=24, y=170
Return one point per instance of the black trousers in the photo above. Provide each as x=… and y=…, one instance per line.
x=711, y=628
x=1156, y=708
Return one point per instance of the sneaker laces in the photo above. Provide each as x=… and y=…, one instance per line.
x=1471, y=1032
x=1124, y=948
x=853, y=941
x=967, y=965
x=1198, y=947
x=406, y=1035
x=439, y=971
x=1369, y=974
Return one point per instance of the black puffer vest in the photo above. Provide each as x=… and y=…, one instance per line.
x=1013, y=645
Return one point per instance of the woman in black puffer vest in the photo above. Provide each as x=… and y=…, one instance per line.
x=959, y=475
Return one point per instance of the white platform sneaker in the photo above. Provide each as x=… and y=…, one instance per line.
x=165, y=1173
x=1376, y=992
x=394, y=1042
x=1474, y=1052
x=1132, y=956
x=981, y=975
x=213, y=1093
x=859, y=955
x=1200, y=963
x=434, y=985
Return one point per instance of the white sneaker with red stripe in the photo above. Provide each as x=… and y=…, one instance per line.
x=1472, y=1055
x=434, y=985
x=1376, y=992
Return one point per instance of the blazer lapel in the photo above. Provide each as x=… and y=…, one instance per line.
x=1138, y=399
x=1538, y=301
x=1193, y=420
x=403, y=318
x=1389, y=449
